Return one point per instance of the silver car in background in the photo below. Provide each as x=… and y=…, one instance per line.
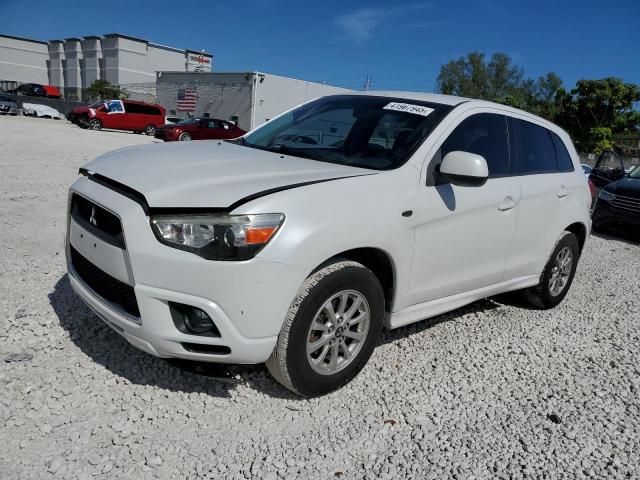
x=8, y=106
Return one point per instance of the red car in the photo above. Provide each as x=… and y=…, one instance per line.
x=51, y=91
x=120, y=115
x=199, y=129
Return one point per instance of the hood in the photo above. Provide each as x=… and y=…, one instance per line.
x=80, y=109
x=210, y=174
x=627, y=187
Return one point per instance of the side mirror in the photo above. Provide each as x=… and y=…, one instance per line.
x=464, y=169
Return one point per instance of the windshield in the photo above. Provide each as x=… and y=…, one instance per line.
x=635, y=173
x=380, y=133
x=97, y=104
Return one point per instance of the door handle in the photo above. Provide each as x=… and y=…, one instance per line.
x=507, y=204
x=563, y=192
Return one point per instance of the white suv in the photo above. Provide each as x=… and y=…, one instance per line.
x=297, y=243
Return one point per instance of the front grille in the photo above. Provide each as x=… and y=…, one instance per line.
x=626, y=203
x=97, y=220
x=110, y=289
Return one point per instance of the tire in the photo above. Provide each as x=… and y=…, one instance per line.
x=184, y=137
x=150, y=130
x=94, y=124
x=291, y=365
x=545, y=295
x=82, y=122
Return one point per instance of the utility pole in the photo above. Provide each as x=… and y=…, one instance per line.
x=367, y=83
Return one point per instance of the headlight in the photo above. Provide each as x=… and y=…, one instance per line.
x=607, y=196
x=218, y=237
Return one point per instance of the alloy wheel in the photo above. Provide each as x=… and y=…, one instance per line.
x=561, y=271
x=338, y=332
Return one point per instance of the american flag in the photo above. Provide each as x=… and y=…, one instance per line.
x=187, y=98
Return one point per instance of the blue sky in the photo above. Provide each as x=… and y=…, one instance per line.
x=401, y=45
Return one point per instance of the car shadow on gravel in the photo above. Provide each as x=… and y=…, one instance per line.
x=389, y=336
x=107, y=348
x=617, y=234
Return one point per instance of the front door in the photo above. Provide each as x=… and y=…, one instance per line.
x=463, y=234
x=113, y=115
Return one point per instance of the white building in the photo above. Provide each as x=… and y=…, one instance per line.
x=73, y=64
x=247, y=98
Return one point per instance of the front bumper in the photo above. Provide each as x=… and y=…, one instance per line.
x=246, y=300
x=4, y=110
x=624, y=213
x=166, y=135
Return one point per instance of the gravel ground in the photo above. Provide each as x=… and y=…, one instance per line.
x=493, y=390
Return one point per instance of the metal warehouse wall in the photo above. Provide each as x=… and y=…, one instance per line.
x=222, y=95
x=251, y=98
x=23, y=60
x=275, y=94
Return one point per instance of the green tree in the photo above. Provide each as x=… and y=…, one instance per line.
x=596, y=109
x=103, y=90
x=475, y=77
x=499, y=80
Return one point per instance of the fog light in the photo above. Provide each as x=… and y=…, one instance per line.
x=197, y=320
x=192, y=320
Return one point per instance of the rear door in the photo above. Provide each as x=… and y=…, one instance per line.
x=213, y=129
x=135, y=117
x=549, y=185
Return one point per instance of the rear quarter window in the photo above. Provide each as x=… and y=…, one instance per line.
x=532, y=149
x=565, y=164
x=142, y=109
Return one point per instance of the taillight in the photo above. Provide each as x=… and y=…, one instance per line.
x=592, y=189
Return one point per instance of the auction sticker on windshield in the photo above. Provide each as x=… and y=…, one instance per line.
x=409, y=108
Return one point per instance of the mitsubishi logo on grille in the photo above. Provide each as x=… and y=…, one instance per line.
x=92, y=218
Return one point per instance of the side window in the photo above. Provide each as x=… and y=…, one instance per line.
x=114, y=106
x=131, y=107
x=609, y=161
x=483, y=134
x=533, y=150
x=565, y=164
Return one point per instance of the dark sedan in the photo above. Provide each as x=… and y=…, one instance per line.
x=198, y=129
x=30, y=89
x=618, y=204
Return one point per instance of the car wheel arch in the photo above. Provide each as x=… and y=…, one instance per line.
x=375, y=259
x=580, y=231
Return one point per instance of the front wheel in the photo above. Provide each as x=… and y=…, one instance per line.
x=184, y=137
x=150, y=130
x=330, y=330
x=557, y=275
x=95, y=124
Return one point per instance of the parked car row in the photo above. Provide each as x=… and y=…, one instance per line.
x=148, y=118
x=36, y=90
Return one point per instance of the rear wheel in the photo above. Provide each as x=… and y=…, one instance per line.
x=94, y=124
x=557, y=275
x=150, y=130
x=330, y=331
x=184, y=137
